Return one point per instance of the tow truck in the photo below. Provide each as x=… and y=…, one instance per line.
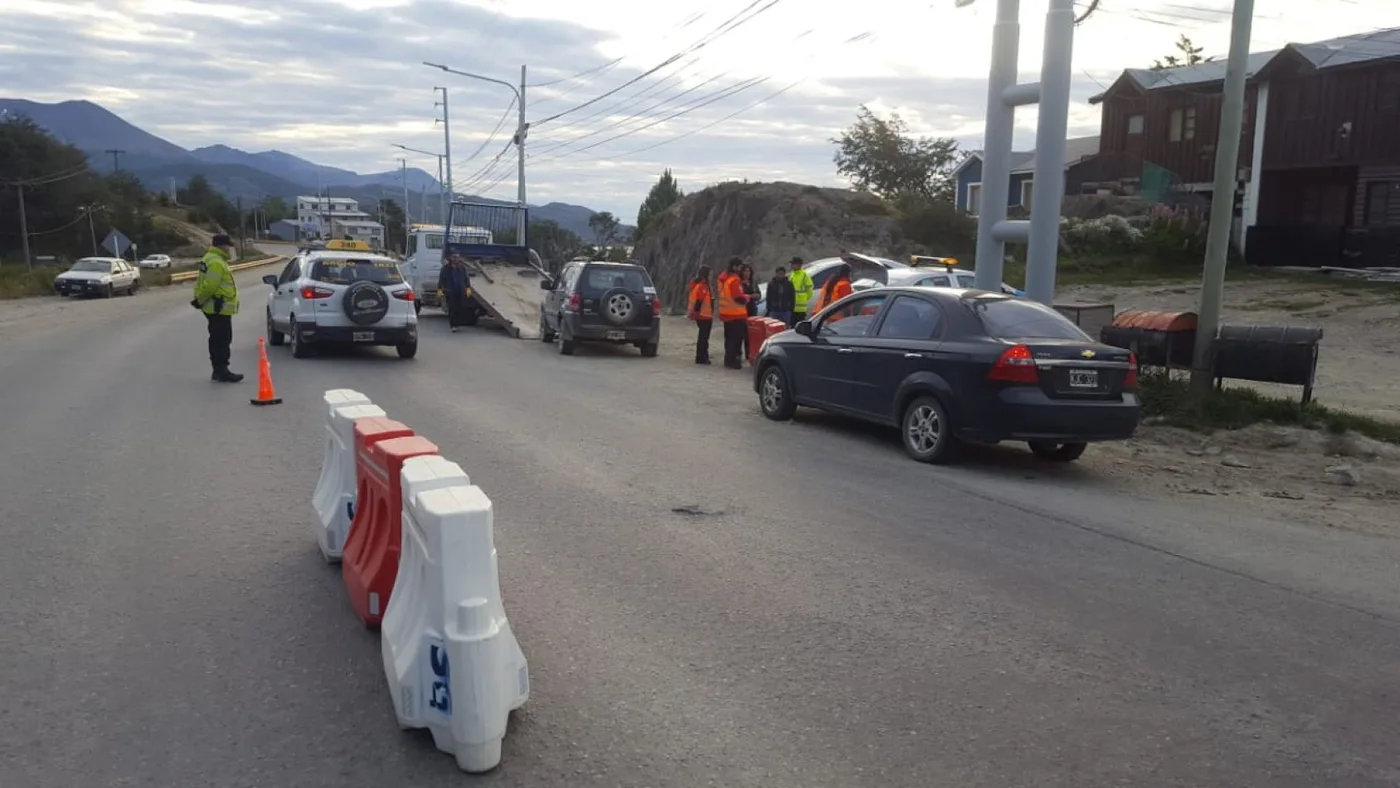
x=505, y=276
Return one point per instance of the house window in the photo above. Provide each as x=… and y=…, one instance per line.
x=1183, y=124
x=1135, y=124
x=1026, y=194
x=974, y=197
x=1379, y=195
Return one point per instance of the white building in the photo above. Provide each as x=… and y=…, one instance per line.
x=321, y=216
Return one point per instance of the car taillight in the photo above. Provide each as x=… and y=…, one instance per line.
x=655, y=307
x=1130, y=382
x=575, y=302
x=1016, y=365
x=316, y=292
x=404, y=295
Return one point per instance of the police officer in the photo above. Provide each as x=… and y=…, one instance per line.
x=216, y=295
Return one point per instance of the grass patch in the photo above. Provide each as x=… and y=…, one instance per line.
x=1168, y=397
x=1105, y=270
x=20, y=282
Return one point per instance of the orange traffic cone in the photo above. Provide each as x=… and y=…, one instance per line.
x=266, y=396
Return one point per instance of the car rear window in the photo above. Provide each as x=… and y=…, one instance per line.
x=1015, y=318
x=343, y=272
x=607, y=277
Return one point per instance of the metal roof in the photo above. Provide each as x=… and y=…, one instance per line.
x=1018, y=159
x=1076, y=150
x=1343, y=51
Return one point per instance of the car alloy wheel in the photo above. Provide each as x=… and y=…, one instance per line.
x=773, y=396
x=926, y=431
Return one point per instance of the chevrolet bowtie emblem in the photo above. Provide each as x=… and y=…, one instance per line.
x=1088, y=353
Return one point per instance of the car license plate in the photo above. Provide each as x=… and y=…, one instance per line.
x=617, y=335
x=1083, y=378
x=362, y=336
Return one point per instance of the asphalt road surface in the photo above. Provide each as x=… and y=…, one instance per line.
x=821, y=612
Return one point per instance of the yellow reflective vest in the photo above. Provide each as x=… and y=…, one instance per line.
x=214, y=289
x=803, y=288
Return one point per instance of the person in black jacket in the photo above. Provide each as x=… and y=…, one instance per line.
x=750, y=290
x=782, y=297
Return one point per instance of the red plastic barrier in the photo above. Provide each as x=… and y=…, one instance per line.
x=758, y=331
x=371, y=558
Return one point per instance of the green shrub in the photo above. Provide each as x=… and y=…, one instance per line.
x=17, y=281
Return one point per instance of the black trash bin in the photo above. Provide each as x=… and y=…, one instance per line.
x=1159, y=339
x=1267, y=354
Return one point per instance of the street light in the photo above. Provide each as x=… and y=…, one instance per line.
x=521, y=128
x=442, y=204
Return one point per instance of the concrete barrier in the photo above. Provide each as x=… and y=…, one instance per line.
x=452, y=663
x=333, y=500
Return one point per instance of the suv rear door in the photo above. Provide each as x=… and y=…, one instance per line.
x=615, y=294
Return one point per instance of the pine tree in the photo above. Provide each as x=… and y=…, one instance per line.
x=664, y=193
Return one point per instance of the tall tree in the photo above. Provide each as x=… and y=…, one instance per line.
x=554, y=244
x=880, y=155
x=393, y=223
x=1187, y=54
x=664, y=193
x=604, y=226
x=275, y=209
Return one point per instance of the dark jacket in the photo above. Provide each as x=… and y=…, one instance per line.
x=453, y=280
x=782, y=297
x=751, y=290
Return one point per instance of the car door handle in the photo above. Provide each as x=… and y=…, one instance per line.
x=913, y=355
x=844, y=350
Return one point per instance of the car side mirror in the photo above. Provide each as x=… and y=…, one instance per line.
x=546, y=284
x=804, y=328
x=270, y=279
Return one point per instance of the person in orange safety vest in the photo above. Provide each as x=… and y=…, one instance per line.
x=835, y=289
x=700, y=307
x=733, y=313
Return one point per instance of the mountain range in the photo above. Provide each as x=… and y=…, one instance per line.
x=240, y=175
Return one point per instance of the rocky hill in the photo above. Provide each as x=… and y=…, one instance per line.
x=766, y=224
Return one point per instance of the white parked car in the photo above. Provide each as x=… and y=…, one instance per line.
x=155, y=261
x=99, y=276
x=928, y=277
x=341, y=296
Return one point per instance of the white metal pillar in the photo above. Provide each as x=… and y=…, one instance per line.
x=1004, y=95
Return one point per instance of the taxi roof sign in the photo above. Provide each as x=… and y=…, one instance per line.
x=349, y=246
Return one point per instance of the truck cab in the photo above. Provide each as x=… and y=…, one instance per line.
x=424, y=257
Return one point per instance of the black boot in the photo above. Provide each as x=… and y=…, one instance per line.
x=225, y=376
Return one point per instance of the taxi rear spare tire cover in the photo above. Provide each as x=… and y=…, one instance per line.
x=617, y=306
x=365, y=303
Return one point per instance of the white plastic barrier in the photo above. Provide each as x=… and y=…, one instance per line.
x=335, y=492
x=452, y=663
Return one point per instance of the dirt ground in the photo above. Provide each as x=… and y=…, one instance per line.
x=1284, y=473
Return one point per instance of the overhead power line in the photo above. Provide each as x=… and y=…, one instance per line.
x=595, y=70
x=499, y=124
x=731, y=24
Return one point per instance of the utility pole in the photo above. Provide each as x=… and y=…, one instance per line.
x=92, y=228
x=116, y=158
x=522, y=127
x=242, y=228
x=24, y=229
x=1222, y=203
x=442, y=205
x=403, y=170
x=1004, y=95
x=446, y=149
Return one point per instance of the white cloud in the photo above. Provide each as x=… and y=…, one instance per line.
x=338, y=82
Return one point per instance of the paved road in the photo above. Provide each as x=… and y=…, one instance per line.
x=838, y=616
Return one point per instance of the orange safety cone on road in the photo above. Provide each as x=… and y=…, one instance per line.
x=266, y=396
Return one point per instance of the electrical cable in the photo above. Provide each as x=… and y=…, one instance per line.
x=724, y=29
x=80, y=218
x=493, y=133
x=731, y=91
x=595, y=70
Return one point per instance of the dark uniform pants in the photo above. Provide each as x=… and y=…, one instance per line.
x=220, y=340
x=702, y=341
x=735, y=332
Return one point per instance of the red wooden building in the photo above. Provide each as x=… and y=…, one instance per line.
x=1319, y=164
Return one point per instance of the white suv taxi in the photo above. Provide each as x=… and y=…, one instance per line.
x=342, y=294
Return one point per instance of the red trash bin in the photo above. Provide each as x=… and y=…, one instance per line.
x=371, y=558
x=758, y=331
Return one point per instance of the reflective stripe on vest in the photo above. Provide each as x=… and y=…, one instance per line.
x=801, y=289
x=700, y=292
x=729, y=306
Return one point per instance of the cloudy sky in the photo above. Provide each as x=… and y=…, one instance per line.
x=339, y=81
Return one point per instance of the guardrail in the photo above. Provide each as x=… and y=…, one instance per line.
x=186, y=276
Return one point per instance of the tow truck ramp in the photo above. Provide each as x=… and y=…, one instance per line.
x=505, y=275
